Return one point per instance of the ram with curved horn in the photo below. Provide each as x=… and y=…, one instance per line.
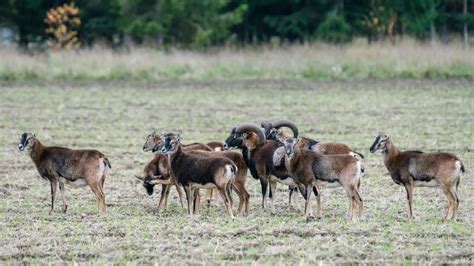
x=260, y=152
x=327, y=148
x=271, y=133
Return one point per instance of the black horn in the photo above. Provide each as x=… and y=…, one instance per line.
x=286, y=123
x=252, y=128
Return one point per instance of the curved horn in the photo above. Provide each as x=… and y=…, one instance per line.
x=141, y=178
x=253, y=128
x=286, y=123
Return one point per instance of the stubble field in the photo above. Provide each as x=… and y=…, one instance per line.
x=115, y=118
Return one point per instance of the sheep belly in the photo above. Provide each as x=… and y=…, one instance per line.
x=205, y=186
x=75, y=184
x=326, y=184
x=287, y=181
x=431, y=183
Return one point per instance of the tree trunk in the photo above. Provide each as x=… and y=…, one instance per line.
x=432, y=32
x=340, y=6
x=466, y=37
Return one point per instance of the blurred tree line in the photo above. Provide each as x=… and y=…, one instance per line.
x=203, y=23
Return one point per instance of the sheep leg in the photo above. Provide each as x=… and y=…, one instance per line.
x=209, y=196
x=290, y=197
x=228, y=191
x=239, y=188
x=197, y=201
x=359, y=201
x=409, y=189
x=307, y=207
x=451, y=202
x=273, y=186
x=163, y=197
x=263, y=184
x=356, y=203
x=189, y=198
x=318, y=202
x=54, y=188
x=290, y=194
x=167, y=195
x=228, y=188
x=246, y=199
x=225, y=197
x=102, y=181
x=350, y=210
x=63, y=196
x=95, y=187
x=180, y=194
x=239, y=191
x=456, y=201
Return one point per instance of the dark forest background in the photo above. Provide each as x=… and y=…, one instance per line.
x=204, y=23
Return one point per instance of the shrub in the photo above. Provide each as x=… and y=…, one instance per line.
x=334, y=29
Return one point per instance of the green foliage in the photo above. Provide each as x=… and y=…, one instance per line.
x=99, y=20
x=204, y=23
x=334, y=29
x=418, y=16
x=189, y=23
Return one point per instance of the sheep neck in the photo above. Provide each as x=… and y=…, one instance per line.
x=390, y=153
x=36, y=151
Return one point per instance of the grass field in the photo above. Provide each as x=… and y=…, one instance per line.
x=356, y=61
x=115, y=117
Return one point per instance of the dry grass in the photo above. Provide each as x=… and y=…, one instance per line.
x=408, y=59
x=116, y=117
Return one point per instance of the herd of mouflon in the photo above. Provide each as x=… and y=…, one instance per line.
x=305, y=165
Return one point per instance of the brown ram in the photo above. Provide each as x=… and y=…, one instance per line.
x=62, y=166
x=416, y=169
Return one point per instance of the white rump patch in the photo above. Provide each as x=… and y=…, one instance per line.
x=359, y=169
x=217, y=149
x=458, y=167
x=228, y=172
x=278, y=156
